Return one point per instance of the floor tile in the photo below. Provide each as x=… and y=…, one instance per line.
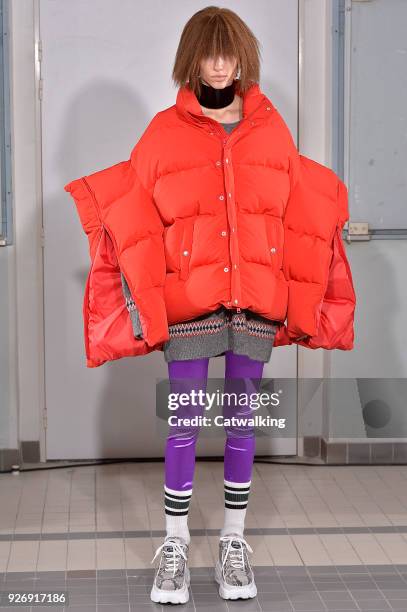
x=324, y=538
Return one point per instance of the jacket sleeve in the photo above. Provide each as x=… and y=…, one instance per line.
x=305, y=257
x=321, y=297
x=127, y=212
x=336, y=319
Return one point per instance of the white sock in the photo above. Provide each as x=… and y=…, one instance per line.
x=236, y=500
x=177, y=502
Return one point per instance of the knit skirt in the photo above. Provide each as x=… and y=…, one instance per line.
x=210, y=335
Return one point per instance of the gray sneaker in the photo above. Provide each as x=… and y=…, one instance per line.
x=232, y=570
x=172, y=578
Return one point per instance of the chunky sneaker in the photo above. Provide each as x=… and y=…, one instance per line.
x=172, y=578
x=232, y=570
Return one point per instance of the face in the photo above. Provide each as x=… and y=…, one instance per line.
x=218, y=72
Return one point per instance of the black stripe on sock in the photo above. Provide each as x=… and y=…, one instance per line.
x=182, y=505
x=176, y=505
x=235, y=494
x=237, y=489
x=236, y=497
x=234, y=507
x=175, y=513
x=177, y=497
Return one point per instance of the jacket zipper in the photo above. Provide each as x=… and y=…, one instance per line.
x=127, y=281
x=115, y=248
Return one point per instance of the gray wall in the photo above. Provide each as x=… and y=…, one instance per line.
x=8, y=358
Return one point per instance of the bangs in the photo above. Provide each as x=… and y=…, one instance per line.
x=217, y=40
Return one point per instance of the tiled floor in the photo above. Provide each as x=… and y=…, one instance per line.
x=324, y=538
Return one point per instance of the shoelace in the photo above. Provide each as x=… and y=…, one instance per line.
x=235, y=554
x=172, y=556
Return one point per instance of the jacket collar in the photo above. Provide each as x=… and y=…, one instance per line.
x=255, y=104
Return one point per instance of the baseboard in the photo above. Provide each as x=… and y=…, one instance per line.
x=351, y=452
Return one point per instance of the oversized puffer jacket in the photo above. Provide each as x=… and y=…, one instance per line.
x=197, y=218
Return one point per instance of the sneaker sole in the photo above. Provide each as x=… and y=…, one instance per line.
x=179, y=596
x=232, y=592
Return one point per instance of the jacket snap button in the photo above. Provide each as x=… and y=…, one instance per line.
x=223, y=233
x=226, y=160
x=185, y=252
x=235, y=266
x=226, y=269
x=218, y=163
x=235, y=301
x=268, y=108
x=273, y=249
x=233, y=229
x=221, y=197
x=230, y=195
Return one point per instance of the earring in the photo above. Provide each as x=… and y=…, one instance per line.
x=237, y=74
x=193, y=75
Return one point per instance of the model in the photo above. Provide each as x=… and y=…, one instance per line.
x=216, y=238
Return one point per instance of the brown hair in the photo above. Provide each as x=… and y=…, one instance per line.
x=211, y=32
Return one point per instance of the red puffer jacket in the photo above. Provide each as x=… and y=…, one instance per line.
x=197, y=218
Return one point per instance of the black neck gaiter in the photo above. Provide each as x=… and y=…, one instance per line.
x=211, y=97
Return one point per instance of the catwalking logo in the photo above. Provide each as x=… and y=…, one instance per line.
x=221, y=421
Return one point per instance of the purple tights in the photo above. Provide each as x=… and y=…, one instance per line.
x=191, y=374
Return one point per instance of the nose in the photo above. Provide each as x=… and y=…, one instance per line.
x=219, y=63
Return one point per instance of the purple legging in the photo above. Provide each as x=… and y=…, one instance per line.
x=189, y=374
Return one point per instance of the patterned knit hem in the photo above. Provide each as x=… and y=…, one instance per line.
x=245, y=334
